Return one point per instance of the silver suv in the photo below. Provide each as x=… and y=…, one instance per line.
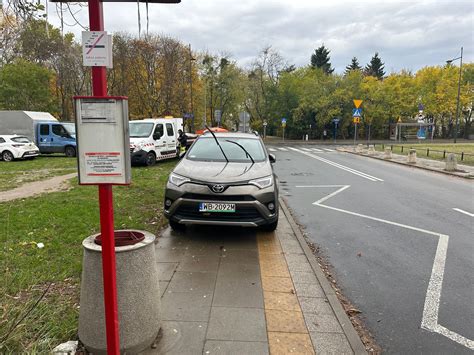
x=224, y=179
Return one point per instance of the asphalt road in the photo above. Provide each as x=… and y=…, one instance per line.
x=400, y=251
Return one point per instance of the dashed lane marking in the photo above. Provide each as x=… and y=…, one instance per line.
x=429, y=319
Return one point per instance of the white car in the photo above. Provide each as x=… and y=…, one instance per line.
x=17, y=147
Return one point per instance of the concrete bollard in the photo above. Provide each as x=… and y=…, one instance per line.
x=359, y=148
x=138, y=295
x=387, y=153
x=371, y=150
x=412, y=156
x=451, y=163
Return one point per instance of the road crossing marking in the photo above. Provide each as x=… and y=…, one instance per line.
x=328, y=150
x=283, y=149
x=272, y=149
x=317, y=150
x=465, y=212
x=340, y=166
x=307, y=149
x=429, y=319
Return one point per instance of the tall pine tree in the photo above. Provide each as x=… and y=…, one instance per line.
x=353, y=66
x=375, y=67
x=320, y=59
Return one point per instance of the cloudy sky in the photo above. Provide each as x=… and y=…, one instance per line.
x=406, y=34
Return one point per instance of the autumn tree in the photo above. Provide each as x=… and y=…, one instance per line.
x=26, y=86
x=321, y=59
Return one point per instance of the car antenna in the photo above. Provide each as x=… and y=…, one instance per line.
x=222, y=150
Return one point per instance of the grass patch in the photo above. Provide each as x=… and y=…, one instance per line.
x=18, y=172
x=436, y=151
x=61, y=220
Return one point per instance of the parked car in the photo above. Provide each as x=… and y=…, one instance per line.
x=17, y=147
x=224, y=179
x=50, y=135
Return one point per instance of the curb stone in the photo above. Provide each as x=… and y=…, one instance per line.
x=346, y=325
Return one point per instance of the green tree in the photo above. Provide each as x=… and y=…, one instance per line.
x=375, y=67
x=353, y=66
x=321, y=59
x=26, y=86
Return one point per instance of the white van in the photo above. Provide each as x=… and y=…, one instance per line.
x=153, y=139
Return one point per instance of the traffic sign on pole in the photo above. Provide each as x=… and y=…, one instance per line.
x=357, y=103
x=356, y=112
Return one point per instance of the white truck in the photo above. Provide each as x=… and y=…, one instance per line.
x=41, y=128
x=153, y=139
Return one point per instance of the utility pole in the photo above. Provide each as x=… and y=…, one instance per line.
x=459, y=93
x=191, y=58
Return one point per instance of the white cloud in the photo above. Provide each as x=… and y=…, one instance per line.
x=406, y=34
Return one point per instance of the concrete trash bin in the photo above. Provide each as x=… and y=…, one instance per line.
x=138, y=297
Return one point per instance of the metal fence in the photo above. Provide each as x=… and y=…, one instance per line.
x=462, y=156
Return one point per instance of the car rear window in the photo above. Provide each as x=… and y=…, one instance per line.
x=206, y=149
x=20, y=140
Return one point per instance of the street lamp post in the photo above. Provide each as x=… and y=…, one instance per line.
x=459, y=93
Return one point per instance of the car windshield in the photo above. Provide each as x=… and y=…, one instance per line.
x=20, y=140
x=140, y=129
x=70, y=128
x=206, y=149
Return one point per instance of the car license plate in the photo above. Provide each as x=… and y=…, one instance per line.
x=216, y=207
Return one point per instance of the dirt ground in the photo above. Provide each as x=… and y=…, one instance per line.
x=56, y=183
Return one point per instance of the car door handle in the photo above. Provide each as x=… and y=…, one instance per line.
x=164, y=141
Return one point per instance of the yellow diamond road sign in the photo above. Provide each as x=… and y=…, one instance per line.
x=357, y=103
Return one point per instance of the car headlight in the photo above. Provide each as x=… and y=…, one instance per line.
x=178, y=180
x=263, y=182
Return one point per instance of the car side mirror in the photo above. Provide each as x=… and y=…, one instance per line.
x=272, y=158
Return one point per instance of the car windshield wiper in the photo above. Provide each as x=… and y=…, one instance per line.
x=245, y=150
x=222, y=150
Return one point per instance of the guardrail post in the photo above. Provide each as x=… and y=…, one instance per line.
x=444, y=154
x=428, y=152
x=462, y=156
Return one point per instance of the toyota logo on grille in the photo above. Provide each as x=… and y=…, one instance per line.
x=218, y=188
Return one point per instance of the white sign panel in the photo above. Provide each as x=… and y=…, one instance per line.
x=103, y=142
x=96, y=49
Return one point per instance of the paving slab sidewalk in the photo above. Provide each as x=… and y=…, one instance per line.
x=240, y=291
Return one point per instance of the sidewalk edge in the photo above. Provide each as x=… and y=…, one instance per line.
x=346, y=325
x=469, y=177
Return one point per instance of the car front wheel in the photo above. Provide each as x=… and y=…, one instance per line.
x=150, y=159
x=70, y=152
x=7, y=156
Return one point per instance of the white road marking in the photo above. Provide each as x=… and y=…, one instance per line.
x=465, y=212
x=283, y=149
x=329, y=150
x=340, y=166
x=317, y=150
x=429, y=319
x=272, y=149
x=307, y=149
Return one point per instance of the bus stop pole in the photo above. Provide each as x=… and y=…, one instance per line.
x=99, y=88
